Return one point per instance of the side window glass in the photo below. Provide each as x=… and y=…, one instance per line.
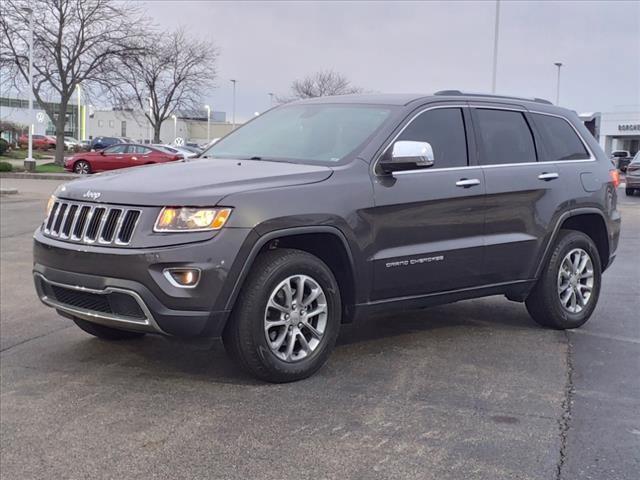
x=444, y=129
x=560, y=139
x=505, y=136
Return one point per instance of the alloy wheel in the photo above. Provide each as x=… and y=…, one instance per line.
x=82, y=168
x=295, y=318
x=575, y=280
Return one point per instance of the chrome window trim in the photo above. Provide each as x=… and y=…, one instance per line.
x=147, y=324
x=592, y=157
x=376, y=160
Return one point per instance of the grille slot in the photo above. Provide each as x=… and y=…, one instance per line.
x=128, y=225
x=87, y=223
x=114, y=303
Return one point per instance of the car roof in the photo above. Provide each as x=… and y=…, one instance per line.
x=404, y=99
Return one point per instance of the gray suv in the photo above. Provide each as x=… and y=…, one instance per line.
x=321, y=212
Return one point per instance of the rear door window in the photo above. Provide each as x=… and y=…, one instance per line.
x=560, y=139
x=505, y=137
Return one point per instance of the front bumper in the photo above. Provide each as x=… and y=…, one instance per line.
x=86, y=279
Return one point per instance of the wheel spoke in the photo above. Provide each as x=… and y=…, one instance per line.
x=273, y=304
x=300, y=290
x=288, y=295
x=576, y=261
x=291, y=342
x=584, y=260
x=317, y=311
x=312, y=329
x=566, y=296
x=587, y=274
x=580, y=297
x=303, y=342
x=573, y=300
x=315, y=293
x=277, y=343
x=269, y=324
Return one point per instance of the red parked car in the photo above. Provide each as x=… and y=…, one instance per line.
x=117, y=156
x=41, y=142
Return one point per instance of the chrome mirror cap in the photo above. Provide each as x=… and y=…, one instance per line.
x=408, y=155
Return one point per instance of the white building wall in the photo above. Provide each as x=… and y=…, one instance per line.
x=619, y=131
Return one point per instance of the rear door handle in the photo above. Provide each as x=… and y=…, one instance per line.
x=467, y=182
x=548, y=176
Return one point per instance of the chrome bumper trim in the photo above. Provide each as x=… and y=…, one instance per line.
x=147, y=324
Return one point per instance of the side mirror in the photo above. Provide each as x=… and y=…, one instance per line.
x=407, y=155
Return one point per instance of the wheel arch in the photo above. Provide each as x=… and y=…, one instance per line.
x=591, y=222
x=325, y=242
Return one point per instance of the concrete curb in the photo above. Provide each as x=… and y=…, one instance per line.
x=8, y=191
x=40, y=176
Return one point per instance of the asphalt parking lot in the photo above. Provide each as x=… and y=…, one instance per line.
x=473, y=390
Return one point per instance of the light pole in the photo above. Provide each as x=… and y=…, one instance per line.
x=233, y=116
x=270, y=99
x=496, y=32
x=79, y=109
x=150, y=121
x=559, y=65
x=175, y=127
x=29, y=162
x=208, y=122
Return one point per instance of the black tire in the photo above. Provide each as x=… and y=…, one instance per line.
x=544, y=304
x=244, y=336
x=80, y=166
x=629, y=191
x=106, y=333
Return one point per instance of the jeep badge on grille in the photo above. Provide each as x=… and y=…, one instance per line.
x=91, y=195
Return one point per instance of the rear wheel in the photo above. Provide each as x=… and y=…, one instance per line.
x=629, y=191
x=106, y=333
x=568, y=288
x=286, y=319
x=82, y=167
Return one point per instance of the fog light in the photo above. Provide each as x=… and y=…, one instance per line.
x=182, y=277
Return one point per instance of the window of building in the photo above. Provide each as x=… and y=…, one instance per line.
x=505, y=136
x=560, y=139
x=100, y=123
x=111, y=124
x=123, y=128
x=444, y=129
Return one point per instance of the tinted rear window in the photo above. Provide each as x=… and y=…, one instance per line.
x=505, y=136
x=560, y=139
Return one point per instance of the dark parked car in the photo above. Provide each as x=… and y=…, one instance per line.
x=632, y=177
x=322, y=212
x=100, y=143
x=621, y=158
x=122, y=155
x=40, y=142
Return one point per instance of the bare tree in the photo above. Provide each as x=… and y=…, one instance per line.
x=173, y=75
x=75, y=41
x=321, y=84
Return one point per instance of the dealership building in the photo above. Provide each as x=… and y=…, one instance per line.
x=615, y=130
x=191, y=127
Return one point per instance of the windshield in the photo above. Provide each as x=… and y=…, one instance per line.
x=636, y=159
x=314, y=133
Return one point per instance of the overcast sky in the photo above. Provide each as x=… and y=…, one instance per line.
x=420, y=47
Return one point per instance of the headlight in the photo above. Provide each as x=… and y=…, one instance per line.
x=50, y=203
x=191, y=219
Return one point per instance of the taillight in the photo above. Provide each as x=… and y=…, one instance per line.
x=614, y=175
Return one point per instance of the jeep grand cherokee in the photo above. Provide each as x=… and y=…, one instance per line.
x=320, y=212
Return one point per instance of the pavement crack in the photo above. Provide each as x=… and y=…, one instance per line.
x=567, y=402
x=6, y=349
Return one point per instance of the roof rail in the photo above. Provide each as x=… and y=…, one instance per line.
x=453, y=93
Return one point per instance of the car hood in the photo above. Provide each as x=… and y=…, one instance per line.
x=193, y=183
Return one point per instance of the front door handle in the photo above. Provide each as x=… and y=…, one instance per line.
x=548, y=176
x=467, y=182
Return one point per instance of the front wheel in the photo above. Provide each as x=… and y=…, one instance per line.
x=568, y=288
x=287, y=317
x=82, y=167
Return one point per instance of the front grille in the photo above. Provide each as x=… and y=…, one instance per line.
x=112, y=303
x=87, y=223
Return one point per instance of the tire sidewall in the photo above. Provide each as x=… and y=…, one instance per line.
x=303, y=264
x=569, y=242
